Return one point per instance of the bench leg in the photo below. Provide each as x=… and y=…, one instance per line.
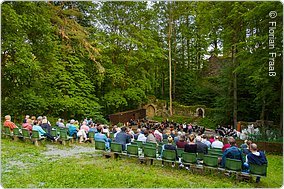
x=36, y=142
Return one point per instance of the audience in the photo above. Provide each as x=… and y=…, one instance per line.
x=152, y=133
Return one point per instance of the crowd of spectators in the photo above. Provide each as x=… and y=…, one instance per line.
x=226, y=131
x=183, y=136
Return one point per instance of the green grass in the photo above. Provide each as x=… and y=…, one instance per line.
x=24, y=166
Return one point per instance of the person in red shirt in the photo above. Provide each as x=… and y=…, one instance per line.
x=9, y=123
x=181, y=142
x=211, y=140
x=226, y=144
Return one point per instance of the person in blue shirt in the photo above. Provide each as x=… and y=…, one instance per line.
x=123, y=138
x=99, y=136
x=93, y=128
x=72, y=129
x=233, y=152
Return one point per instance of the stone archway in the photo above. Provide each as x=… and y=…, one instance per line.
x=200, y=112
x=150, y=111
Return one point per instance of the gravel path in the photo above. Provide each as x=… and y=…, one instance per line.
x=53, y=150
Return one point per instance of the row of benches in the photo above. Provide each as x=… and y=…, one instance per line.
x=150, y=151
x=196, y=161
x=35, y=137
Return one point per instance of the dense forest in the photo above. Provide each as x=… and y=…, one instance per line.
x=66, y=59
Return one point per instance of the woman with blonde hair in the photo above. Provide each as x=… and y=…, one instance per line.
x=191, y=147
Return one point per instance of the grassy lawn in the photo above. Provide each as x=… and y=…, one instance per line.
x=26, y=166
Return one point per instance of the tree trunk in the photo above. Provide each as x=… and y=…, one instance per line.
x=163, y=86
x=187, y=45
x=281, y=105
x=235, y=113
x=170, y=59
x=262, y=114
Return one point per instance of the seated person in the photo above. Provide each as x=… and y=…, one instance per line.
x=217, y=143
x=233, y=152
x=226, y=144
x=150, y=137
x=141, y=136
x=38, y=128
x=72, y=129
x=123, y=138
x=191, y=147
x=82, y=135
x=181, y=142
x=169, y=146
x=205, y=141
x=46, y=126
x=201, y=147
x=61, y=123
x=158, y=135
x=255, y=157
x=99, y=136
x=166, y=134
x=28, y=125
x=93, y=128
x=211, y=139
x=9, y=123
x=245, y=148
x=137, y=134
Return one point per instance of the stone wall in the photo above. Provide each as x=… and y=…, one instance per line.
x=156, y=107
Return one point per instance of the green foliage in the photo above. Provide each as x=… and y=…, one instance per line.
x=207, y=123
x=71, y=59
x=175, y=118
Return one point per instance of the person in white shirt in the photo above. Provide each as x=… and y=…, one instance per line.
x=141, y=136
x=217, y=143
x=117, y=131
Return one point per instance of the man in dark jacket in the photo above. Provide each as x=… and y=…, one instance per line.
x=123, y=138
x=169, y=146
x=255, y=157
x=201, y=147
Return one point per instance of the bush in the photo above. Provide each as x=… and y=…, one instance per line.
x=207, y=122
